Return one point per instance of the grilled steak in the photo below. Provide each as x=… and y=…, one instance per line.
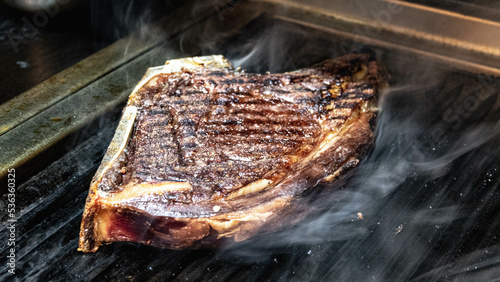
x=206, y=153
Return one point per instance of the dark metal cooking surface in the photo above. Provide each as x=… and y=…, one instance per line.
x=34, y=47
x=427, y=194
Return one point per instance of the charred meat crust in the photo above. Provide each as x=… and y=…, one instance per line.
x=219, y=154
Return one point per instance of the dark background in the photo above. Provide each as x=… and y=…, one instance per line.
x=31, y=53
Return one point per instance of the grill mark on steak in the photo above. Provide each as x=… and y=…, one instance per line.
x=251, y=116
x=248, y=129
x=291, y=134
x=242, y=120
x=234, y=100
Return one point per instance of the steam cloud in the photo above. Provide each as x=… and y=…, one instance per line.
x=415, y=179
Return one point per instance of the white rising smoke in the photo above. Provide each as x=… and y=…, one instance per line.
x=263, y=52
x=397, y=157
x=263, y=44
x=338, y=220
x=410, y=111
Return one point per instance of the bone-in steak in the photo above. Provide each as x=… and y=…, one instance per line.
x=206, y=153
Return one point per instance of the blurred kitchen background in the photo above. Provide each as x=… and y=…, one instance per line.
x=36, y=44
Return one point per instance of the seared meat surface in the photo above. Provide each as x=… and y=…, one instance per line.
x=205, y=152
